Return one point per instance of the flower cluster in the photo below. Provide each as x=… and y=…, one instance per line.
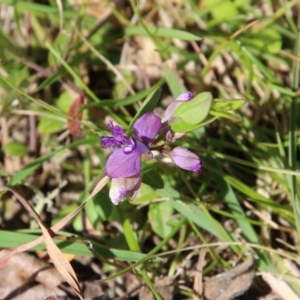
x=149, y=133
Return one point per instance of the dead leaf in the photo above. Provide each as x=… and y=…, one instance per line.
x=58, y=259
x=198, y=284
x=230, y=284
x=59, y=225
x=74, y=126
x=94, y=8
x=27, y=277
x=60, y=262
x=280, y=287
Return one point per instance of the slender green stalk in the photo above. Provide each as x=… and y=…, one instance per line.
x=157, y=43
x=293, y=130
x=288, y=17
x=133, y=244
x=152, y=252
x=83, y=85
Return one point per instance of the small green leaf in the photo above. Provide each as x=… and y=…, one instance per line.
x=61, y=44
x=221, y=9
x=152, y=177
x=121, y=102
x=51, y=79
x=267, y=40
x=227, y=115
x=168, y=191
x=73, y=245
x=173, y=81
x=64, y=102
x=159, y=216
x=49, y=125
x=201, y=219
x=15, y=149
x=148, y=105
x=195, y=110
x=233, y=104
x=163, y=32
x=102, y=205
x=146, y=194
x=182, y=126
x=120, y=88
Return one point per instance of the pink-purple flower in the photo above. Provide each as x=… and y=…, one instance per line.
x=124, y=164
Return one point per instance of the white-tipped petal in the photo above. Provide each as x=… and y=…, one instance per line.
x=122, y=188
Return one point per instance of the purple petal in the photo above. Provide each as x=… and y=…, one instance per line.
x=113, y=141
x=185, y=96
x=122, y=188
x=117, y=140
x=171, y=109
x=121, y=164
x=179, y=135
x=116, y=130
x=186, y=159
x=147, y=127
x=173, y=105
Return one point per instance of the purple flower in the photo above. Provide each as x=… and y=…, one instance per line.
x=124, y=164
x=126, y=161
x=185, y=159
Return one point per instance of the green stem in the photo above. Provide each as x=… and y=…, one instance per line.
x=293, y=130
x=152, y=252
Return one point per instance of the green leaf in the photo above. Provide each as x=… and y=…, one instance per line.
x=15, y=149
x=267, y=40
x=195, y=110
x=61, y=45
x=162, y=32
x=222, y=104
x=49, y=125
x=121, y=102
x=51, y=79
x=146, y=194
x=64, y=102
x=168, y=191
x=182, y=126
x=29, y=169
x=221, y=9
x=40, y=9
x=159, y=215
x=148, y=105
x=202, y=219
x=77, y=246
x=22, y=174
x=120, y=88
x=152, y=177
x=227, y=115
x=10, y=47
x=103, y=205
x=173, y=81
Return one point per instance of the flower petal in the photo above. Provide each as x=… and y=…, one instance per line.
x=186, y=96
x=121, y=164
x=173, y=105
x=147, y=127
x=186, y=159
x=117, y=140
x=171, y=109
x=116, y=130
x=122, y=188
